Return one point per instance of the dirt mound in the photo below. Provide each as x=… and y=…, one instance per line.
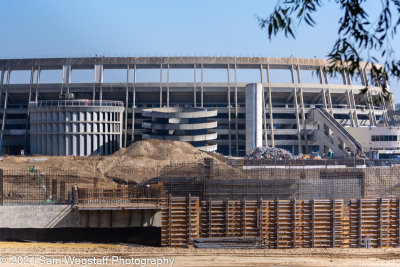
x=139, y=162
x=147, y=159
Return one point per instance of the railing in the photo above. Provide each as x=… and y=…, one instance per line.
x=80, y=103
x=145, y=197
x=340, y=128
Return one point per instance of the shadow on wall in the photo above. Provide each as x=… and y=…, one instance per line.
x=61, y=223
x=106, y=149
x=150, y=236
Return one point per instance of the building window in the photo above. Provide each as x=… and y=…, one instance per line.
x=383, y=138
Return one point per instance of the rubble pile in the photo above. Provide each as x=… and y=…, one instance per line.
x=271, y=153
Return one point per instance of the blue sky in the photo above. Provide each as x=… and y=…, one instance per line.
x=157, y=28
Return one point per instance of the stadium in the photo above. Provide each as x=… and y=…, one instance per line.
x=297, y=105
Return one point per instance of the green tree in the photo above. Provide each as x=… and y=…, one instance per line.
x=360, y=37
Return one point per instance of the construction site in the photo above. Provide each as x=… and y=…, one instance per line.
x=170, y=194
x=288, y=165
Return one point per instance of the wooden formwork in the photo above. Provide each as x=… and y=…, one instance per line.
x=284, y=223
x=276, y=223
x=180, y=221
x=303, y=223
x=375, y=219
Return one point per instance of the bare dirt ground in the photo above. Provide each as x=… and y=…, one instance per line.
x=193, y=257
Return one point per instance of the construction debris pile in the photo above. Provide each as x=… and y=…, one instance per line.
x=271, y=153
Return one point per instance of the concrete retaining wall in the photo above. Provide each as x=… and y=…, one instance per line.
x=63, y=216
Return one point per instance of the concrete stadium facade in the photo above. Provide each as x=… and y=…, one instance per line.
x=287, y=96
x=193, y=125
x=75, y=127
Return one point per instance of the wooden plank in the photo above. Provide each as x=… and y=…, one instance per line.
x=333, y=223
x=294, y=223
x=380, y=222
x=360, y=222
x=189, y=218
x=277, y=223
x=312, y=223
x=398, y=221
x=227, y=214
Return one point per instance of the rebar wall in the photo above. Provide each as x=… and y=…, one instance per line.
x=222, y=181
x=21, y=187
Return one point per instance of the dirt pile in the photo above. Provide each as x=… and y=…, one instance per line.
x=147, y=159
x=139, y=162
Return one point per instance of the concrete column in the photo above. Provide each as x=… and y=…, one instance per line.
x=31, y=140
x=167, y=85
x=329, y=94
x=194, y=86
x=229, y=114
x=54, y=134
x=1, y=85
x=81, y=143
x=47, y=136
x=39, y=129
x=75, y=135
x=384, y=113
x=95, y=133
x=383, y=104
x=94, y=92
x=161, y=86
x=330, y=101
x=134, y=104
x=353, y=103
x=371, y=108
x=37, y=84
x=300, y=150
x=390, y=103
x=202, y=88
x=271, y=115
x=105, y=133
x=4, y=110
x=44, y=136
x=125, y=129
x=364, y=79
x=303, y=113
x=355, y=114
x=265, y=143
x=98, y=78
x=253, y=116
x=236, y=114
x=119, y=137
x=350, y=108
x=323, y=88
x=60, y=130
x=112, y=140
x=326, y=76
x=65, y=77
x=27, y=113
x=89, y=135
x=68, y=137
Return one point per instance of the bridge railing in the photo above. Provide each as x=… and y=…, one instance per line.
x=151, y=196
x=78, y=102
